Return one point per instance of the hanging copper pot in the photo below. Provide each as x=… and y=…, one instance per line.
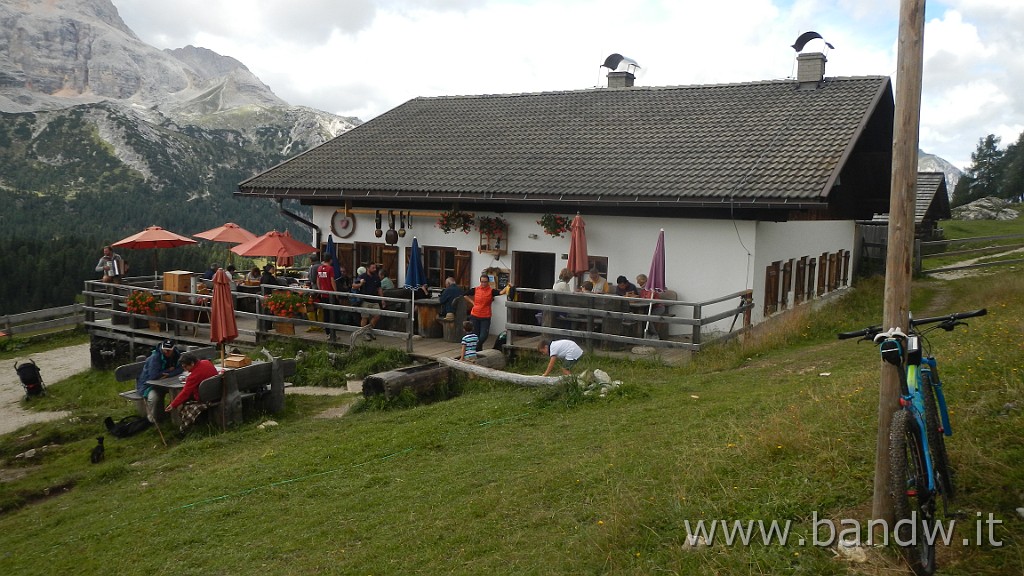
x=392, y=235
x=377, y=232
x=401, y=228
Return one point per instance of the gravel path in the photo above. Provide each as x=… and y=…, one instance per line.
x=54, y=366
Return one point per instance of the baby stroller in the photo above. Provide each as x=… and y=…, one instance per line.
x=28, y=372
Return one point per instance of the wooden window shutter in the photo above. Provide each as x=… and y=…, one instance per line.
x=787, y=281
x=347, y=257
x=812, y=265
x=833, y=276
x=822, y=272
x=801, y=280
x=462, y=261
x=389, y=258
x=771, y=288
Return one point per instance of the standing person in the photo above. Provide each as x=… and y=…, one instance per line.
x=188, y=398
x=562, y=284
x=449, y=297
x=479, y=299
x=111, y=265
x=469, y=343
x=324, y=278
x=565, y=350
x=369, y=284
x=163, y=362
x=314, y=263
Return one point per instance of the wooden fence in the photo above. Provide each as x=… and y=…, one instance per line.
x=48, y=319
x=873, y=252
x=182, y=314
x=623, y=321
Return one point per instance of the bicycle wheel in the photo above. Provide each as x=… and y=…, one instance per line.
x=908, y=486
x=936, y=439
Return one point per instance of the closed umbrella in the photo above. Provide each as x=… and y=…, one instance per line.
x=414, y=275
x=153, y=237
x=578, y=262
x=656, y=275
x=332, y=251
x=274, y=244
x=223, y=328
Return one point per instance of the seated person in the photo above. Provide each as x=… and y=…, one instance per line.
x=643, y=292
x=163, y=362
x=586, y=286
x=562, y=285
x=208, y=275
x=253, y=277
x=385, y=280
x=268, y=276
x=188, y=398
x=449, y=298
x=624, y=287
x=598, y=283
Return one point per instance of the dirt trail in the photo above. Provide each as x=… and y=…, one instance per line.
x=54, y=366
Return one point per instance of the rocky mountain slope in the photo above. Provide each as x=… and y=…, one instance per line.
x=931, y=163
x=80, y=54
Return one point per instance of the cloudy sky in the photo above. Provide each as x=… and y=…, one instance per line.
x=364, y=57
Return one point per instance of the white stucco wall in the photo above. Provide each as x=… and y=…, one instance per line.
x=704, y=258
x=786, y=240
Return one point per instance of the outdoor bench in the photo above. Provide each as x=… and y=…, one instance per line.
x=236, y=394
x=129, y=372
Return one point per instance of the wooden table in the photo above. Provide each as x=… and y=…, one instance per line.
x=427, y=311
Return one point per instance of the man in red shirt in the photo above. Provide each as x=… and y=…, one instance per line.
x=198, y=370
x=325, y=281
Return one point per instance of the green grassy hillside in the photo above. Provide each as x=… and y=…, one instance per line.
x=504, y=480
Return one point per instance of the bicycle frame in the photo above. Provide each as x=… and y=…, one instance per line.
x=908, y=361
x=930, y=366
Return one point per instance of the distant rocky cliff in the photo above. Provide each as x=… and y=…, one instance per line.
x=80, y=54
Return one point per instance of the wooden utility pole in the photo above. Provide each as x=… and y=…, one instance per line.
x=899, y=258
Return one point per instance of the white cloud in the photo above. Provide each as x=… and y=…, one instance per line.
x=364, y=57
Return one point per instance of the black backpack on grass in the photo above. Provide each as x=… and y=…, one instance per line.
x=127, y=426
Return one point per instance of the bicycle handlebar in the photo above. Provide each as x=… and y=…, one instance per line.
x=950, y=318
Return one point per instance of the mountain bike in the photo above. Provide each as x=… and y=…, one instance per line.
x=919, y=465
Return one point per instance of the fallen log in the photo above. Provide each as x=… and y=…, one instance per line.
x=422, y=379
x=500, y=375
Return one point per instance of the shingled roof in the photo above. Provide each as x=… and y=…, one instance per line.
x=765, y=143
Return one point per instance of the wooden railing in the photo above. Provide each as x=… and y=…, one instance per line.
x=184, y=312
x=48, y=319
x=938, y=248
x=618, y=316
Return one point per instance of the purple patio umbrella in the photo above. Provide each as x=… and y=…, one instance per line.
x=656, y=275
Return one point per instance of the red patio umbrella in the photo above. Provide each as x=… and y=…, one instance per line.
x=153, y=237
x=229, y=233
x=578, y=259
x=275, y=244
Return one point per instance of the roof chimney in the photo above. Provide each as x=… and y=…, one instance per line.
x=810, y=70
x=620, y=79
x=621, y=71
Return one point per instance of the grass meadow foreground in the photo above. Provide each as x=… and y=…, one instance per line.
x=505, y=480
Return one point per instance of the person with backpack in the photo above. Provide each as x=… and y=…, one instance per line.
x=163, y=362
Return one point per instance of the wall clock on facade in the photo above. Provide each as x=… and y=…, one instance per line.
x=343, y=225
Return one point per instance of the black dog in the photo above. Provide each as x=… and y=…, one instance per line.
x=97, y=452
